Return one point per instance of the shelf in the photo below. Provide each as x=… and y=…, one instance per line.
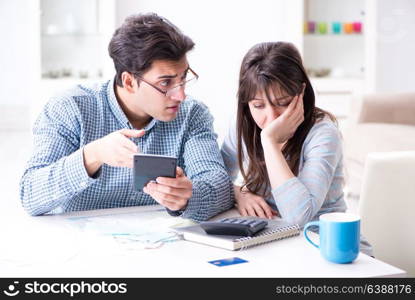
x=45, y=35
x=333, y=34
x=336, y=85
x=333, y=80
x=66, y=80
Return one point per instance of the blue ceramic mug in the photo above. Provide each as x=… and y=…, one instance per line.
x=339, y=236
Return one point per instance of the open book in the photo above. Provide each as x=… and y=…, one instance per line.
x=275, y=230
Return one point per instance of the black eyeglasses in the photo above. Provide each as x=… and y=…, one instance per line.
x=190, y=77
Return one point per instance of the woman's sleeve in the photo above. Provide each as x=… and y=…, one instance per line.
x=300, y=198
x=229, y=152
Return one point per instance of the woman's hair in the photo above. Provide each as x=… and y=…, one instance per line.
x=271, y=66
x=144, y=38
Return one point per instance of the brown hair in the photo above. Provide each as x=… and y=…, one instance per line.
x=144, y=38
x=268, y=66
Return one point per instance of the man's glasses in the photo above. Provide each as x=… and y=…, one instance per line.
x=189, y=78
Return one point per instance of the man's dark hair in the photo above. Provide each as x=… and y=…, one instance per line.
x=144, y=38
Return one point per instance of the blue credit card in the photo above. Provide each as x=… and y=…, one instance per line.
x=227, y=261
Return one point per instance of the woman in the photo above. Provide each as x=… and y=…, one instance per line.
x=289, y=151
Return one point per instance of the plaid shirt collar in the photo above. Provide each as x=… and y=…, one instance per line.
x=118, y=112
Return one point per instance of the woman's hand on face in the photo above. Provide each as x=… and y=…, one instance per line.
x=250, y=204
x=283, y=128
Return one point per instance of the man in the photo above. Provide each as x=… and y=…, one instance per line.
x=85, y=139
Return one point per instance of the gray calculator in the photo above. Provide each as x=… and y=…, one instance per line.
x=234, y=226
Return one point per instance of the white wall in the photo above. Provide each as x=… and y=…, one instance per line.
x=19, y=51
x=391, y=46
x=223, y=32
x=19, y=61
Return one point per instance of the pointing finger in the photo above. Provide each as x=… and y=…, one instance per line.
x=179, y=172
x=132, y=133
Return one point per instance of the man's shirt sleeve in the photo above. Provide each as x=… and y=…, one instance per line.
x=55, y=172
x=212, y=187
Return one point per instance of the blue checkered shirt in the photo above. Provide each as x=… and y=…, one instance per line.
x=55, y=179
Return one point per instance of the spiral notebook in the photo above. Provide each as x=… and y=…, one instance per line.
x=275, y=230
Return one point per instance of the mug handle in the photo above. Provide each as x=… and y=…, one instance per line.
x=309, y=224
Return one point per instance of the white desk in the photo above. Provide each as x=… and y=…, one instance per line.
x=48, y=247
